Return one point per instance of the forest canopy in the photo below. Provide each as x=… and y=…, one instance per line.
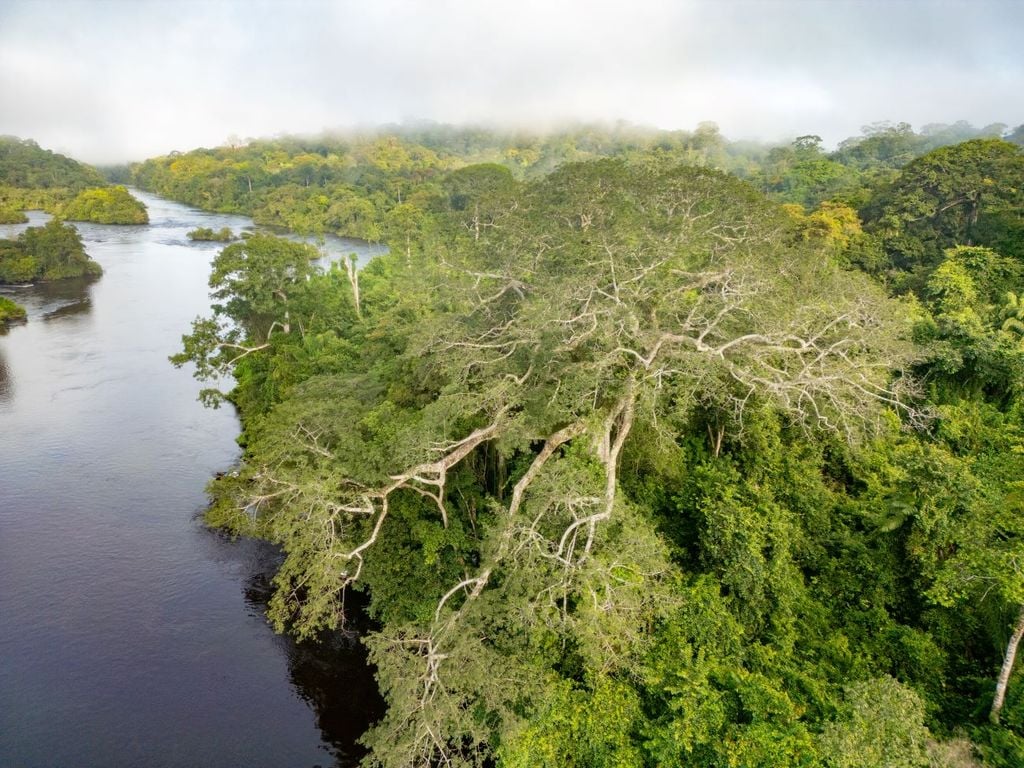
x=51, y=252
x=26, y=165
x=106, y=205
x=640, y=463
x=10, y=311
x=32, y=178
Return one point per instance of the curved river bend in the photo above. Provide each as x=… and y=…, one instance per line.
x=129, y=634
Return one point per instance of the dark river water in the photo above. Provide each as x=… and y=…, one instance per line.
x=129, y=634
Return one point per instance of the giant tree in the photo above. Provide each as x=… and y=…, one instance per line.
x=954, y=195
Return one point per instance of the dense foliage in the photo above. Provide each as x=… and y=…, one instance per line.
x=12, y=216
x=965, y=194
x=51, y=252
x=205, y=234
x=10, y=310
x=106, y=205
x=641, y=467
x=24, y=164
x=32, y=178
x=378, y=185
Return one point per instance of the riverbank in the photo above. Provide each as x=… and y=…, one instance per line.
x=10, y=311
x=128, y=627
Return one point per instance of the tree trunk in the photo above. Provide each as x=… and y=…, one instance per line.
x=715, y=436
x=353, y=279
x=972, y=218
x=1004, y=673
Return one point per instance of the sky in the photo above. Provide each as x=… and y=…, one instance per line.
x=116, y=80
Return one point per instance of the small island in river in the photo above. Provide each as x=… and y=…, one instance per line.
x=205, y=234
x=53, y=251
x=106, y=205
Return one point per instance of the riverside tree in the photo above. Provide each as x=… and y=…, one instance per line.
x=254, y=285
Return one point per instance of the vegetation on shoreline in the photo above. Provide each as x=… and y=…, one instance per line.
x=10, y=311
x=106, y=205
x=205, y=234
x=373, y=186
x=53, y=251
x=32, y=178
x=18, y=200
x=12, y=216
x=642, y=464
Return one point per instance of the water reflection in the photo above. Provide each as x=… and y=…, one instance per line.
x=5, y=327
x=334, y=677
x=72, y=290
x=121, y=623
x=68, y=310
x=332, y=674
x=6, y=385
x=65, y=298
x=55, y=299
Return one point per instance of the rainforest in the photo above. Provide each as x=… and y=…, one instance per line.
x=647, y=448
x=488, y=385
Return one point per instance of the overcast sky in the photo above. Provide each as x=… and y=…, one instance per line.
x=114, y=80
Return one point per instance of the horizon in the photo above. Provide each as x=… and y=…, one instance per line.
x=610, y=127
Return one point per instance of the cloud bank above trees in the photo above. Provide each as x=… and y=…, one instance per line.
x=118, y=80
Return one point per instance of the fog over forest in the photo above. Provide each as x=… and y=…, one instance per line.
x=114, y=81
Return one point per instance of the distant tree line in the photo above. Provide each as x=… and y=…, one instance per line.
x=32, y=178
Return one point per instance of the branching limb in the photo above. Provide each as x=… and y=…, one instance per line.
x=552, y=444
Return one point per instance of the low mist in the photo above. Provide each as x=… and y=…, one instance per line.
x=109, y=82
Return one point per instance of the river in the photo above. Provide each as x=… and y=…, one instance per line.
x=130, y=635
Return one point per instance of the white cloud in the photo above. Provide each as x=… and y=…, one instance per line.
x=125, y=79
